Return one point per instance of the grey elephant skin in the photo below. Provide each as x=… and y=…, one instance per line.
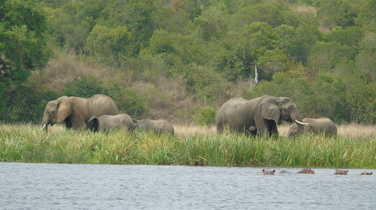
x=74, y=112
x=111, y=122
x=324, y=126
x=157, y=126
x=258, y=116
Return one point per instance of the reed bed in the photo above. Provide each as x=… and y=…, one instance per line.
x=28, y=143
x=347, y=130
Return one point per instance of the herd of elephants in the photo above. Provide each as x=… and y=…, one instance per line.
x=257, y=116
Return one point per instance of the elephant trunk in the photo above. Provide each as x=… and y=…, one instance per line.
x=45, y=122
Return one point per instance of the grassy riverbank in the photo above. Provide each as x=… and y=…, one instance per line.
x=28, y=143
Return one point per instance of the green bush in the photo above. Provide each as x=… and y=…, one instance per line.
x=24, y=104
x=85, y=87
x=206, y=84
x=112, y=44
x=205, y=116
x=128, y=100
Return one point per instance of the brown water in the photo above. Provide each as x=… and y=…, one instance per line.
x=71, y=186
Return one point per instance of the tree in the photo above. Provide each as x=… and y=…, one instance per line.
x=367, y=15
x=23, y=43
x=22, y=39
x=138, y=16
x=71, y=23
x=336, y=13
x=112, y=45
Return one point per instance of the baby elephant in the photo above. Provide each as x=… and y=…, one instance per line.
x=313, y=125
x=111, y=122
x=157, y=126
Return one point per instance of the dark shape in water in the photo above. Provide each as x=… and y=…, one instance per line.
x=366, y=173
x=268, y=172
x=341, y=172
x=306, y=171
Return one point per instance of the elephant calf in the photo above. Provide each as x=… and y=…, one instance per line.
x=111, y=122
x=157, y=126
x=323, y=126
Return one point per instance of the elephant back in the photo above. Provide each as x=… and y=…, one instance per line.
x=322, y=125
x=157, y=126
x=164, y=126
x=100, y=104
x=119, y=121
x=236, y=114
x=320, y=122
x=126, y=121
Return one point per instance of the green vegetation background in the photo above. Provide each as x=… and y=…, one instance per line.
x=181, y=59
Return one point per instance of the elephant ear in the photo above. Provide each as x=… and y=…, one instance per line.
x=270, y=111
x=64, y=110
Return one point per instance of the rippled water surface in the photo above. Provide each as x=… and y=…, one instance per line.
x=65, y=186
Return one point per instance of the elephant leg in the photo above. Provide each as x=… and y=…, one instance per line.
x=267, y=127
x=68, y=122
x=219, y=128
x=271, y=127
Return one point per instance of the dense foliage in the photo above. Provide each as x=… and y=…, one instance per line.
x=319, y=52
x=23, y=48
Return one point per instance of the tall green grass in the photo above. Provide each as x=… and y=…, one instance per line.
x=26, y=143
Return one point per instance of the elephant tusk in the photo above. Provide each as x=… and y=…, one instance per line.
x=301, y=123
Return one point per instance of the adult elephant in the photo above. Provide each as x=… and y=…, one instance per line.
x=157, y=126
x=256, y=116
x=324, y=126
x=111, y=122
x=74, y=112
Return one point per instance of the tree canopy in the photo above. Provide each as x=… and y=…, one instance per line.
x=23, y=43
x=319, y=52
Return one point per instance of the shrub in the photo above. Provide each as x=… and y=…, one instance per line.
x=128, y=100
x=24, y=104
x=205, y=83
x=205, y=116
x=85, y=87
x=111, y=44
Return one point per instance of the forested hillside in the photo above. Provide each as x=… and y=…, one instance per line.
x=181, y=59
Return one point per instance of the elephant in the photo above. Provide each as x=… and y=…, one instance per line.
x=111, y=122
x=74, y=112
x=324, y=126
x=258, y=116
x=157, y=126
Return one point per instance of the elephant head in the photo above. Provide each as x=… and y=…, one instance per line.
x=278, y=109
x=57, y=111
x=297, y=128
x=272, y=110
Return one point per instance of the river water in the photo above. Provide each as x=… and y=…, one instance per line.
x=74, y=186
